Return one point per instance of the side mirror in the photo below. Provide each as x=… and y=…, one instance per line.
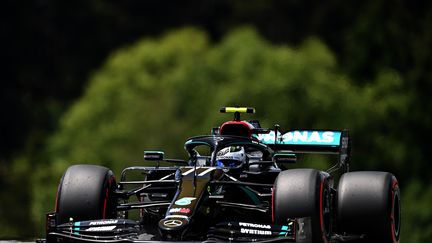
x=215, y=131
x=285, y=158
x=154, y=155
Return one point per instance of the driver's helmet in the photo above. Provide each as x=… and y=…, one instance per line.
x=232, y=157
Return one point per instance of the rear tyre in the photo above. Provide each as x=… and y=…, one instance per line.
x=369, y=205
x=304, y=194
x=85, y=193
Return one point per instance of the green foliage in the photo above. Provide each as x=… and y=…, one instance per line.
x=155, y=93
x=416, y=213
x=129, y=103
x=387, y=112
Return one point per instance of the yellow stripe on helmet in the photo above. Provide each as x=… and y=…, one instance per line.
x=237, y=109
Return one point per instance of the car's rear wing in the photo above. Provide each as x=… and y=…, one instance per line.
x=310, y=141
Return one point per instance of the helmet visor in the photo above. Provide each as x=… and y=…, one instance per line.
x=231, y=163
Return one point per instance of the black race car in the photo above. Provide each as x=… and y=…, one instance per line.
x=234, y=187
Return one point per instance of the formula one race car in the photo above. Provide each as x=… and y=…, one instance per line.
x=234, y=187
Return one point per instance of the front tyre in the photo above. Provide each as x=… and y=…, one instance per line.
x=86, y=193
x=369, y=205
x=304, y=194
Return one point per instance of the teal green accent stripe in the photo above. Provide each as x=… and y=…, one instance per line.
x=77, y=227
x=303, y=137
x=284, y=227
x=251, y=195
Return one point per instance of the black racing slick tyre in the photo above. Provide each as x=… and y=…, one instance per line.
x=304, y=194
x=369, y=205
x=85, y=193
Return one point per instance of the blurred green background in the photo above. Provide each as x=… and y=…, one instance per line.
x=100, y=81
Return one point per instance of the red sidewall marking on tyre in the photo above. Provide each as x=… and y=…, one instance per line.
x=272, y=205
x=110, y=181
x=105, y=204
x=392, y=216
x=57, y=198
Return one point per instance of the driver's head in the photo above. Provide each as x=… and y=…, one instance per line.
x=232, y=157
